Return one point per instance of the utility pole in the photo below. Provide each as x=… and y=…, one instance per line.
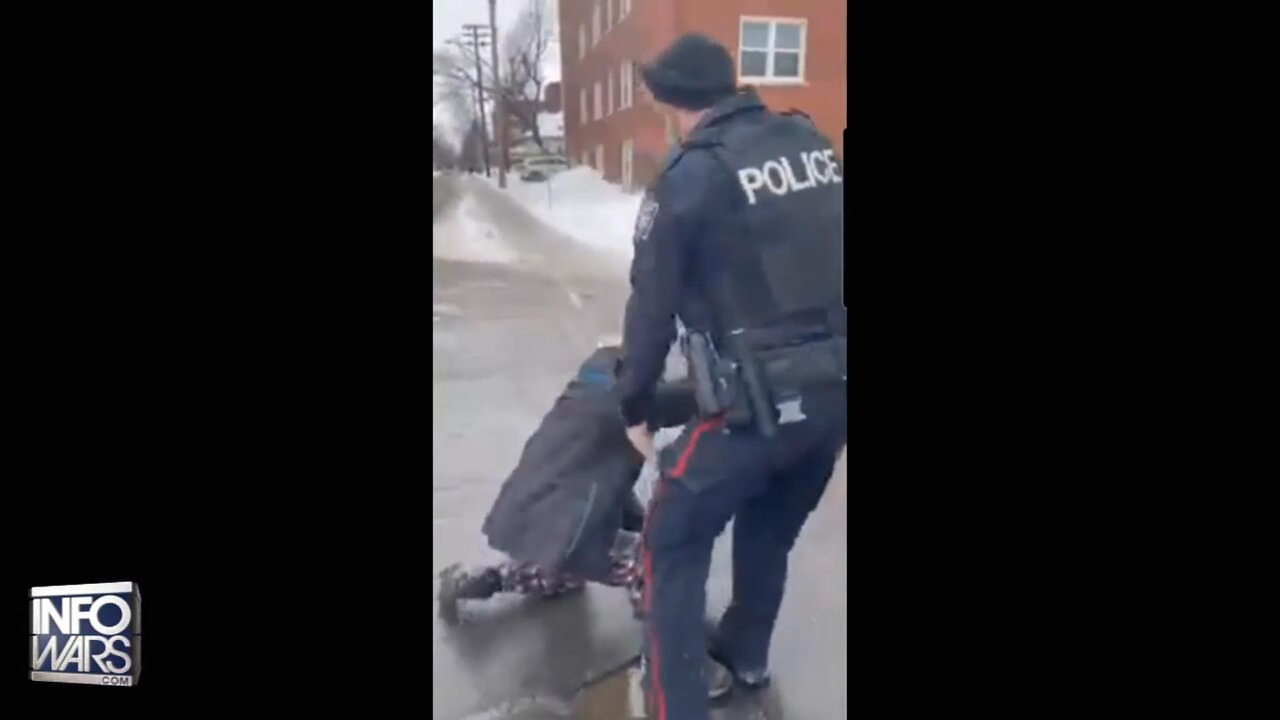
x=478, y=37
x=499, y=113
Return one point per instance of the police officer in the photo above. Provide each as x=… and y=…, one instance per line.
x=741, y=239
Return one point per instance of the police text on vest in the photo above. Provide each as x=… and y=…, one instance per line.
x=777, y=175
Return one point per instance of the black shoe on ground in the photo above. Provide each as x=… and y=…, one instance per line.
x=457, y=584
x=750, y=679
x=450, y=591
x=719, y=680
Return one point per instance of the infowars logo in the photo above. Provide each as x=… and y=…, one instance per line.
x=86, y=634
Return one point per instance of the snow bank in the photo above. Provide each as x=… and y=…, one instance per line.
x=582, y=205
x=463, y=235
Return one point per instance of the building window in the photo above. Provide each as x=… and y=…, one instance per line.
x=771, y=50
x=609, y=104
x=595, y=23
x=582, y=106
x=625, y=77
x=597, y=102
x=628, y=164
x=582, y=41
x=600, y=158
x=624, y=7
x=633, y=77
x=608, y=15
x=586, y=157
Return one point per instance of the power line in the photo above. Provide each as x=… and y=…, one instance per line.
x=499, y=117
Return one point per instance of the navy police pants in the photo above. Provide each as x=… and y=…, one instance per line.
x=769, y=486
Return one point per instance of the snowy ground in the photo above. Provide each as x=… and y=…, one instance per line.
x=580, y=204
x=466, y=235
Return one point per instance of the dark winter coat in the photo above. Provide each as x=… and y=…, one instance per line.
x=562, y=506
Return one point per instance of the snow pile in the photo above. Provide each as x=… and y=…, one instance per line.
x=463, y=235
x=584, y=206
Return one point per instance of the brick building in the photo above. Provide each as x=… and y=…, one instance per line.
x=792, y=51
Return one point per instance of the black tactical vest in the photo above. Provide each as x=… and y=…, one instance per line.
x=781, y=256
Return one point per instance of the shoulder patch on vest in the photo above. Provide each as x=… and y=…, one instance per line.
x=644, y=219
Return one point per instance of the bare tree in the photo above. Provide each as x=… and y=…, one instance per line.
x=524, y=50
x=471, y=153
x=453, y=88
x=443, y=154
x=453, y=75
x=455, y=64
x=453, y=72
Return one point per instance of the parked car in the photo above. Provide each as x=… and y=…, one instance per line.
x=540, y=168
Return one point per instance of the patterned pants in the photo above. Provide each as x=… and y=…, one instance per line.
x=530, y=579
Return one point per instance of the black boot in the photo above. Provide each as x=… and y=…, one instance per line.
x=719, y=680
x=750, y=678
x=457, y=584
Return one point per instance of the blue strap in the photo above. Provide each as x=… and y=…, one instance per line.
x=595, y=377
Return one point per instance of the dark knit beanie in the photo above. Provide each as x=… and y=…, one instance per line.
x=695, y=73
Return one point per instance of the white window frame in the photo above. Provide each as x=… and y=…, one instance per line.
x=582, y=40
x=595, y=23
x=582, y=106
x=608, y=15
x=624, y=8
x=628, y=164
x=768, y=78
x=597, y=102
x=608, y=107
x=625, y=78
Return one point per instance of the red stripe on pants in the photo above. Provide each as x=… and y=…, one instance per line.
x=657, y=698
x=682, y=462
